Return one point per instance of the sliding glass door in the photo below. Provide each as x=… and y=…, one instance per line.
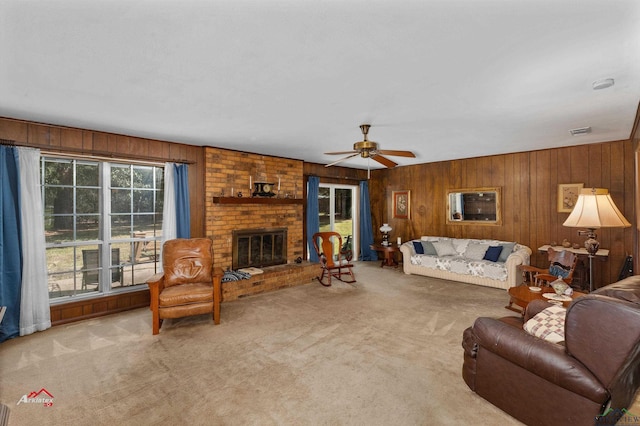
x=338, y=205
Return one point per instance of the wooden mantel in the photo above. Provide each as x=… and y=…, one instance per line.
x=256, y=200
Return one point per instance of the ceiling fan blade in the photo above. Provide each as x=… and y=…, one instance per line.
x=384, y=161
x=397, y=153
x=341, y=152
x=342, y=159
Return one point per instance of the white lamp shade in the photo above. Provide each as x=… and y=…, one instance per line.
x=385, y=228
x=595, y=209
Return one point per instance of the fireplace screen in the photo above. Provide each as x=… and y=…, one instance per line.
x=259, y=247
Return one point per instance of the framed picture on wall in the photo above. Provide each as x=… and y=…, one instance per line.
x=401, y=204
x=567, y=196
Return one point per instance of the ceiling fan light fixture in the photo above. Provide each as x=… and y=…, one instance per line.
x=365, y=146
x=369, y=150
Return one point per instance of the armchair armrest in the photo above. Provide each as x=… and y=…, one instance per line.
x=218, y=273
x=519, y=257
x=544, y=359
x=534, y=308
x=156, y=285
x=535, y=270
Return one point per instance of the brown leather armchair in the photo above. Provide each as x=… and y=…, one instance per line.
x=595, y=371
x=189, y=285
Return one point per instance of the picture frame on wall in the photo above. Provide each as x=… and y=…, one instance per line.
x=401, y=204
x=567, y=196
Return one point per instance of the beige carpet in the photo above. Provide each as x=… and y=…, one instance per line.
x=384, y=351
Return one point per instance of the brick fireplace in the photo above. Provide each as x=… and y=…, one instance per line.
x=229, y=172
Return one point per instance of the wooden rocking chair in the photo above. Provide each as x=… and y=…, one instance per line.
x=333, y=265
x=561, y=264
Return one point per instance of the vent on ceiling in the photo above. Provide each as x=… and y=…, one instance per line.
x=580, y=131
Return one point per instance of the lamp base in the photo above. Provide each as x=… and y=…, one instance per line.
x=592, y=245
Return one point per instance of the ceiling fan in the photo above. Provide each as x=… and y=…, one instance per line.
x=369, y=149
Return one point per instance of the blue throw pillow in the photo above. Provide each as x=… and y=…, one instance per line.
x=493, y=253
x=507, y=249
x=417, y=246
x=429, y=248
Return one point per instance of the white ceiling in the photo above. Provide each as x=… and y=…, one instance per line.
x=295, y=78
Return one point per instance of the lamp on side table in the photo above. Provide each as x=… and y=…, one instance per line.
x=594, y=209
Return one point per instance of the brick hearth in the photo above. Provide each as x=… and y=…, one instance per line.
x=273, y=278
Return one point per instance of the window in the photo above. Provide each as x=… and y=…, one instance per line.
x=103, y=224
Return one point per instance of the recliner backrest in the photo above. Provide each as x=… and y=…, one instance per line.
x=603, y=333
x=187, y=261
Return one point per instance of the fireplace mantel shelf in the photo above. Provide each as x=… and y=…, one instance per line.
x=256, y=200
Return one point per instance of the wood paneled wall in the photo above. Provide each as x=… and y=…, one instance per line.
x=529, y=183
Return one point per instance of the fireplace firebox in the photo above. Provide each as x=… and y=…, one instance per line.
x=259, y=247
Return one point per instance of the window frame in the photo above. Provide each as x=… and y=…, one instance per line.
x=105, y=241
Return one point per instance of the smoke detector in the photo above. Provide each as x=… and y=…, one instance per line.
x=603, y=84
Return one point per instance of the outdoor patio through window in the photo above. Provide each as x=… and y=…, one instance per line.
x=103, y=224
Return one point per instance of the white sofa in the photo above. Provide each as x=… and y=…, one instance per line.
x=466, y=260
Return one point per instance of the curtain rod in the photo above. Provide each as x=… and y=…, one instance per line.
x=7, y=142
x=102, y=158
x=335, y=177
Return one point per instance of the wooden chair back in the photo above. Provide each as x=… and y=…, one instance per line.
x=562, y=263
x=334, y=257
x=324, y=243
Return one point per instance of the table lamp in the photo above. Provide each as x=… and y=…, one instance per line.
x=385, y=229
x=594, y=209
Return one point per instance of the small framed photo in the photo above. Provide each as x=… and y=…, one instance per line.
x=401, y=204
x=567, y=196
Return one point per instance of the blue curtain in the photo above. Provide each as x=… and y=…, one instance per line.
x=183, y=211
x=10, y=258
x=313, y=214
x=366, y=225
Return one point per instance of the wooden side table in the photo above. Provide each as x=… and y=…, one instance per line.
x=389, y=253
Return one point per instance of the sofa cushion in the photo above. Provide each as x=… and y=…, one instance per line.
x=493, y=253
x=507, y=249
x=548, y=324
x=417, y=246
x=444, y=248
x=428, y=248
x=476, y=251
x=460, y=244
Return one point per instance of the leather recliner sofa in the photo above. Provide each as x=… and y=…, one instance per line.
x=595, y=371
